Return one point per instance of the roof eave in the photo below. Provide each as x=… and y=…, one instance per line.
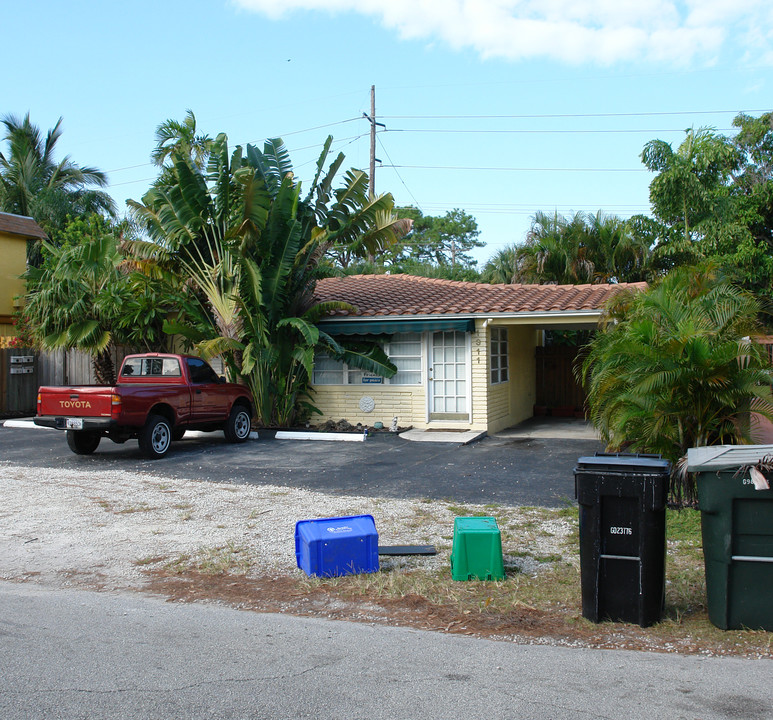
x=515, y=318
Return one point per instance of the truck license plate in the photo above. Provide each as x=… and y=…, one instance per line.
x=74, y=423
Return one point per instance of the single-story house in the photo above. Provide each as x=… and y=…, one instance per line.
x=15, y=231
x=466, y=353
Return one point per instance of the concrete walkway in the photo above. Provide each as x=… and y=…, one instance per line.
x=556, y=428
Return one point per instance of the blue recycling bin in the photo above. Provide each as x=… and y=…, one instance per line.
x=329, y=547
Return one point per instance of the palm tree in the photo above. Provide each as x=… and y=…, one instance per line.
x=71, y=300
x=253, y=250
x=581, y=249
x=676, y=369
x=619, y=253
x=555, y=251
x=88, y=295
x=174, y=137
x=502, y=267
x=34, y=183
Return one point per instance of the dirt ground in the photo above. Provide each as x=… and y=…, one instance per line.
x=284, y=594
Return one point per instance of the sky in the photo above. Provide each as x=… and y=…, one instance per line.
x=501, y=108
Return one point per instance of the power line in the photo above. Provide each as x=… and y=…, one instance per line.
x=400, y=177
x=282, y=135
x=516, y=169
x=543, y=132
x=569, y=115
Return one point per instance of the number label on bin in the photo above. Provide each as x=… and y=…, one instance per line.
x=621, y=531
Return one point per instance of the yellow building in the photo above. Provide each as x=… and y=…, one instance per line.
x=468, y=354
x=15, y=231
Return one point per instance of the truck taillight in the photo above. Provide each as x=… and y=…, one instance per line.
x=40, y=401
x=115, y=404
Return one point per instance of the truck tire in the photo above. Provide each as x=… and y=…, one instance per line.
x=237, y=427
x=155, y=437
x=178, y=434
x=81, y=442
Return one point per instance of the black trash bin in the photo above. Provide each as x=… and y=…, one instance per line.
x=622, y=499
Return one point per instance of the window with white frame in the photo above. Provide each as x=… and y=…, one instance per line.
x=498, y=355
x=403, y=349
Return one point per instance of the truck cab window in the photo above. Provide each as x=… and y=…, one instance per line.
x=200, y=372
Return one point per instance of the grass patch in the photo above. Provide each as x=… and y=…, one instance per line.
x=220, y=560
x=554, y=587
x=129, y=509
x=683, y=525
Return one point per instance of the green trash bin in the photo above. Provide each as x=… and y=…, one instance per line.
x=477, y=549
x=737, y=528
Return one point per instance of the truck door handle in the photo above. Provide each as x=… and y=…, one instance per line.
x=198, y=392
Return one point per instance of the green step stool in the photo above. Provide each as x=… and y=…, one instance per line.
x=477, y=549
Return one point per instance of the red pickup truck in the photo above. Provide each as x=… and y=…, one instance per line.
x=158, y=397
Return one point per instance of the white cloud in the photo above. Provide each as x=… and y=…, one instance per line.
x=575, y=31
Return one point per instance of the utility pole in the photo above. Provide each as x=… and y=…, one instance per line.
x=372, y=120
x=373, y=159
x=373, y=139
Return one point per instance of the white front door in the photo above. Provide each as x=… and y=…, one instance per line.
x=448, y=377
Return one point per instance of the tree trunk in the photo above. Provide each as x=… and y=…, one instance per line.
x=104, y=368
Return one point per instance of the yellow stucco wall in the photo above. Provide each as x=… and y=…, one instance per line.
x=522, y=343
x=342, y=402
x=513, y=401
x=494, y=407
x=480, y=372
x=13, y=262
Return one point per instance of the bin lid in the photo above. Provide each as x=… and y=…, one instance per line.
x=624, y=462
x=724, y=457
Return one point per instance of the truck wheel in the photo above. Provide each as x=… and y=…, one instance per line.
x=237, y=427
x=82, y=443
x=155, y=437
x=178, y=434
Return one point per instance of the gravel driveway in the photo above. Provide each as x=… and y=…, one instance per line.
x=105, y=528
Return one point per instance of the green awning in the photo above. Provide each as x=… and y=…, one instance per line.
x=389, y=326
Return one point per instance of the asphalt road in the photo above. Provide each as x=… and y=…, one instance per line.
x=493, y=470
x=79, y=654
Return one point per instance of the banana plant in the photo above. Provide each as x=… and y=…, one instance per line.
x=252, y=249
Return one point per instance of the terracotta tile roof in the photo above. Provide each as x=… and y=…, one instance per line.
x=20, y=225
x=400, y=295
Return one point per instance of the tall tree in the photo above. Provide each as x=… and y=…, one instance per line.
x=688, y=194
x=34, y=183
x=713, y=199
x=85, y=296
x=445, y=240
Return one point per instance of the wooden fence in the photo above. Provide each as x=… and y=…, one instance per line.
x=18, y=381
x=557, y=388
x=23, y=371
